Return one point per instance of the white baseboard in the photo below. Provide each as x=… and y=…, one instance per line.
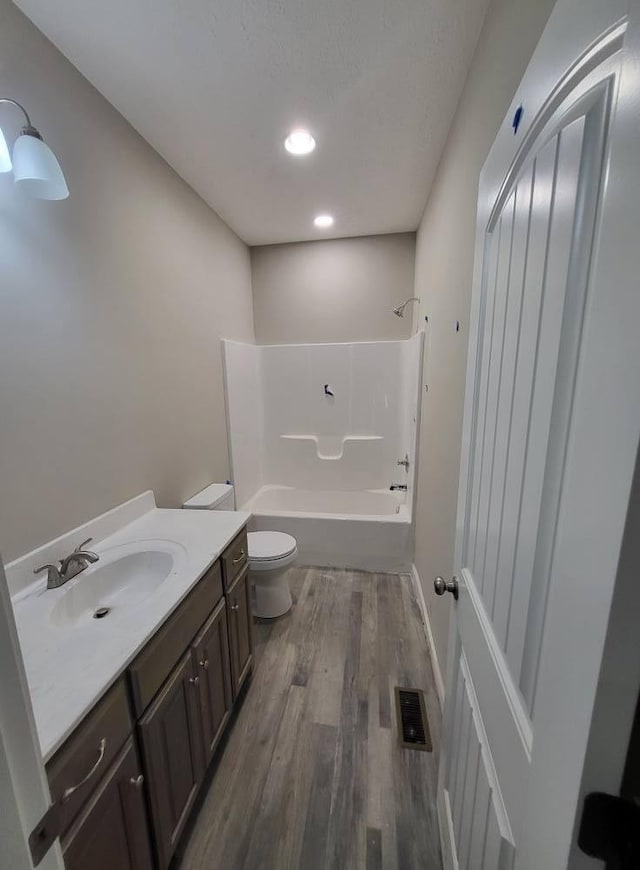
x=447, y=836
x=437, y=673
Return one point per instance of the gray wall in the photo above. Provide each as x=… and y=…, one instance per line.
x=444, y=264
x=111, y=305
x=333, y=290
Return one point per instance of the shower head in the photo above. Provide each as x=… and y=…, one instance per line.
x=399, y=311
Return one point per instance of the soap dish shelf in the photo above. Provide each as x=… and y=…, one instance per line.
x=330, y=447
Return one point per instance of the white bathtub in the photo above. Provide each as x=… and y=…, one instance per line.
x=370, y=529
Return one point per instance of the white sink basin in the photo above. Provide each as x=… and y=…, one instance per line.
x=115, y=585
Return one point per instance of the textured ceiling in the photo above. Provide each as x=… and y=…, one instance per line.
x=215, y=85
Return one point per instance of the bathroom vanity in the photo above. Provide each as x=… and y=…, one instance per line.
x=125, y=778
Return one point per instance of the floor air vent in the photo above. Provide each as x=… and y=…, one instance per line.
x=413, y=725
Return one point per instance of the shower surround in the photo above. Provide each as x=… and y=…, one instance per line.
x=316, y=432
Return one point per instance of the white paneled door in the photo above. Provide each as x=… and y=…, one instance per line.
x=538, y=535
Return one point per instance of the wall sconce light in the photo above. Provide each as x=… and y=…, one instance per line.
x=35, y=167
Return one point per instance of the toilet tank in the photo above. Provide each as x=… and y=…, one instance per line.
x=216, y=497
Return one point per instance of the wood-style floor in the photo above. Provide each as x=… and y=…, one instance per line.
x=312, y=775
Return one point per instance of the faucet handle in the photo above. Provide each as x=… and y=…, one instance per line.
x=53, y=575
x=82, y=545
x=45, y=568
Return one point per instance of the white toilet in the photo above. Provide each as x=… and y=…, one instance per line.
x=270, y=554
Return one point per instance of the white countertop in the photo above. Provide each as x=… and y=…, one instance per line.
x=69, y=668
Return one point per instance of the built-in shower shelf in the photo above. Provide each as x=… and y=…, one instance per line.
x=331, y=447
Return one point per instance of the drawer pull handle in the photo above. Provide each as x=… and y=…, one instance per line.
x=235, y=607
x=137, y=781
x=194, y=680
x=240, y=558
x=204, y=664
x=101, y=751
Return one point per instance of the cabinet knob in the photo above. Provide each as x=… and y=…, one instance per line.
x=137, y=781
x=204, y=664
x=194, y=680
x=235, y=606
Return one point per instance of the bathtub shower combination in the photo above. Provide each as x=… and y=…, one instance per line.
x=323, y=441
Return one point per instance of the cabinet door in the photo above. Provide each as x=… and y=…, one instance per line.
x=111, y=831
x=240, y=631
x=211, y=662
x=171, y=738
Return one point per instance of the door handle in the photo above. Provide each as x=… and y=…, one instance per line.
x=441, y=586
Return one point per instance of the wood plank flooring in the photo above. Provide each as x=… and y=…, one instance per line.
x=312, y=775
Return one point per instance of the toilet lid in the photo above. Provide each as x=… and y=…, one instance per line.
x=270, y=545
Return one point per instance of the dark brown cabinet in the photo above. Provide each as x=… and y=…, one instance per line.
x=211, y=660
x=235, y=559
x=76, y=769
x=157, y=660
x=181, y=729
x=111, y=830
x=181, y=689
x=171, y=739
x=240, y=631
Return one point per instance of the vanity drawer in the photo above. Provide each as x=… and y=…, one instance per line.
x=156, y=661
x=234, y=558
x=78, y=766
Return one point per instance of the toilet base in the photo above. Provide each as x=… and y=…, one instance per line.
x=271, y=594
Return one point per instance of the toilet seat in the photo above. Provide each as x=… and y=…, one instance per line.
x=268, y=550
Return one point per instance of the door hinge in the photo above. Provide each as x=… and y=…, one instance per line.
x=610, y=830
x=44, y=835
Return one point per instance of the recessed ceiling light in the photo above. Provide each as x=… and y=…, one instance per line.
x=323, y=221
x=299, y=142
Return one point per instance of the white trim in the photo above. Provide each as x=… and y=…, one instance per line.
x=422, y=604
x=500, y=665
x=447, y=834
x=486, y=754
x=24, y=789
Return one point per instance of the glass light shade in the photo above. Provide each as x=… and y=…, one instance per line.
x=36, y=169
x=5, y=157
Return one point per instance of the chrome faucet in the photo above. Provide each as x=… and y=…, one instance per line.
x=70, y=566
x=399, y=487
